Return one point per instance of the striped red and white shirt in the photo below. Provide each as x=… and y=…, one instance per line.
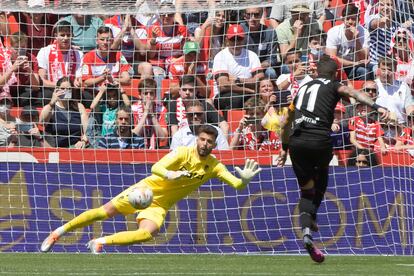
x=94, y=65
x=366, y=133
x=406, y=136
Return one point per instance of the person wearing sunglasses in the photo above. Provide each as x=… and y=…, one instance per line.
x=402, y=47
x=262, y=40
x=196, y=116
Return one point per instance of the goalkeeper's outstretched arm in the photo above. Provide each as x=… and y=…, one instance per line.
x=251, y=168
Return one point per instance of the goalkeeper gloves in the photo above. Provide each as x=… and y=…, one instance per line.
x=251, y=168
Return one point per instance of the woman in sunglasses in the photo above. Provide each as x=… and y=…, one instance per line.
x=402, y=46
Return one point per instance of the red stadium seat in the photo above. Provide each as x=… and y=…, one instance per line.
x=357, y=84
x=233, y=118
x=132, y=88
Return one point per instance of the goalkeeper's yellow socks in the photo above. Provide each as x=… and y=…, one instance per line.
x=126, y=237
x=84, y=219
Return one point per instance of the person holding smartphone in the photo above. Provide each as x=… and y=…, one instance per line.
x=65, y=118
x=18, y=71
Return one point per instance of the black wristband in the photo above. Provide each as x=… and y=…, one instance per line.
x=285, y=146
x=376, y=106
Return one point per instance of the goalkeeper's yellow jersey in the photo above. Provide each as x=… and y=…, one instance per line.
x=168, y=192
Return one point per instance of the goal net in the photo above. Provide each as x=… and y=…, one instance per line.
x=58, y=158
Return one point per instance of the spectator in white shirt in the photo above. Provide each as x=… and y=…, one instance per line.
x=349, y=42
x=186, y=136
x=299, y=73
x=393, y=94
x=236, y=71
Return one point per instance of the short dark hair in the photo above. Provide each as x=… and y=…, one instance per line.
x=147, y=83
x=104, y=30
x=125, y=108
x=209, y=129
x=327, y=67
x=193, y=103
x=349, y=10
x=291, y=51
x=188, y=79
x=62, y=25
x=388, y=62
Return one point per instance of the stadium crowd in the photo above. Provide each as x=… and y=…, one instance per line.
x=147, y=81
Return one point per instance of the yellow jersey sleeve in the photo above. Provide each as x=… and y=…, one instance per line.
x=224, y=175
x=174, y=157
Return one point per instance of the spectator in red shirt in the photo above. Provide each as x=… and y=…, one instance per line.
x=169, y=37
x=19, y=71
x=406, y=139
x=364, y=131
x=132, y=39
x=58, y=60
x=188, y=64
x=150, y=116
x=103, y=65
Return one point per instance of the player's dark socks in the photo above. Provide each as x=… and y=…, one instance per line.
x=307, y=210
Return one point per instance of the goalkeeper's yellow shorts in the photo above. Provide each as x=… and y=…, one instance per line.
x=154, y=212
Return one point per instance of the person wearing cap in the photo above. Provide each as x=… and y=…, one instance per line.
x=349, y=42
x=281, y=11
x=295, y=31
x=340, y=130
x=236, y=71
x=262, y=40
x=189, y=64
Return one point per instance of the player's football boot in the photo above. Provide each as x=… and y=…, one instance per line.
x=94, y=246
x=48, y=243
x=314, y=252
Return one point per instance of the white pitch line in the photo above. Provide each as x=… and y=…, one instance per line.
x=405, y=264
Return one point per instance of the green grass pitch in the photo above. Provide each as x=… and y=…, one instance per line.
x=188, y=264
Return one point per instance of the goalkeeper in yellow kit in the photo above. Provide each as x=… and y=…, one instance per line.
x=173, y=177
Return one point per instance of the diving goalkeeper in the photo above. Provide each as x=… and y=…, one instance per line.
x=173, y=177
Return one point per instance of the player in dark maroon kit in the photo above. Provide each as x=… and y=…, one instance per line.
x=307, y=137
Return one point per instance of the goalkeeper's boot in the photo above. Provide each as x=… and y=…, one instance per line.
x=48, y=243
x=316, y=255
x=94, y=246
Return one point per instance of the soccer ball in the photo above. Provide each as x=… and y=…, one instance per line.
x=140, y=197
